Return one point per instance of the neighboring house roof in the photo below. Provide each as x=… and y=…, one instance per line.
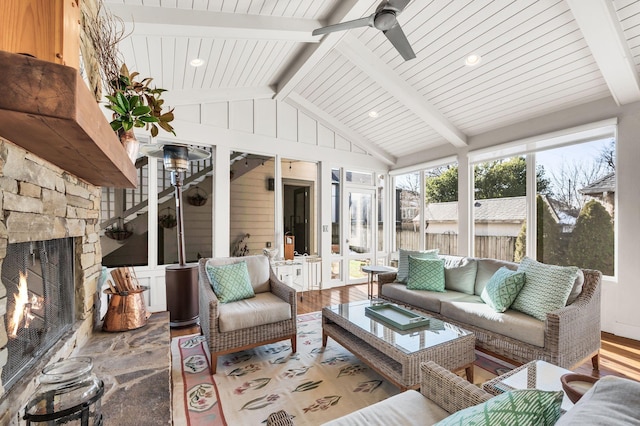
x=513, y=209
x=605, y=184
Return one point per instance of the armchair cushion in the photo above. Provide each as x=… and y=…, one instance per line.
x=257, y=266
x=230, y=282
x=264, y=308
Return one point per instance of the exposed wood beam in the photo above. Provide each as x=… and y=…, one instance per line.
x=303, y=104
x=196, y=96
x=603, y=33
x=163, y=21
x=389, y=80
x=347, y=10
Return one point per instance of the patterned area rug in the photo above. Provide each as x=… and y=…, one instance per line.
x=314, y=385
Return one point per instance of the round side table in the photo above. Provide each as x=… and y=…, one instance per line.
x=374, y=270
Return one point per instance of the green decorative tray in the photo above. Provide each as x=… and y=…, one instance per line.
x=396, y=316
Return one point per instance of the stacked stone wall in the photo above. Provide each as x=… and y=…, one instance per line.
x=39, y=201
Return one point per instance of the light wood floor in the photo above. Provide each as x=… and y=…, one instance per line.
x=618, y=356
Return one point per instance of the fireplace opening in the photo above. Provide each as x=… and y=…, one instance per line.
x=39, y=281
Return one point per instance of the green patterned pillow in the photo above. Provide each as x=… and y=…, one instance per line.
x=502, y=289
x=230, y=282
x=426, y=274
x=403, y=261
x=546, y=288
x=527, y=407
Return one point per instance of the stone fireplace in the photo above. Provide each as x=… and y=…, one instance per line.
x=40, y=203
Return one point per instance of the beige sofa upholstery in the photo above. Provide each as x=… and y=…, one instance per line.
x=441, y=393
x=566, y=338
x=268, y=317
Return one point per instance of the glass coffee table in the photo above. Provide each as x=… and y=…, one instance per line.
x=394, y=353
x=532, y=375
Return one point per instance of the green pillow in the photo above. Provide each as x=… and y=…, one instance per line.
x=230, y=282
x=403, y=261
x=502, y=289
x=546, y=288
x=527, y=407
x=460, y=273
x=426, y=274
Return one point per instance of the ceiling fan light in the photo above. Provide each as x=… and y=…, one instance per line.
x=197, y=62
x=472, y=60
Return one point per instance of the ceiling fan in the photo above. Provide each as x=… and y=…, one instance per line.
x=383, y=19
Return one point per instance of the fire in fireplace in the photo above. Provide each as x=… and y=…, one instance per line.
x=38, y=278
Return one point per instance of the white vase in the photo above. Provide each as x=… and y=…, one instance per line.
x=130, y=144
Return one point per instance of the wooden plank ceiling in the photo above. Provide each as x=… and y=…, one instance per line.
x=538, y=56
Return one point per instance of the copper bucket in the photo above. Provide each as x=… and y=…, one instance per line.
x=126, y=311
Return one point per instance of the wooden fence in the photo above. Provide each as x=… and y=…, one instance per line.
x=496, y=247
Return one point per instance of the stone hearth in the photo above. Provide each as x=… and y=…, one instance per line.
x=40, y=201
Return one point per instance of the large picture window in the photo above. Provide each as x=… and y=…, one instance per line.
x=407, y=202
x=441, y=209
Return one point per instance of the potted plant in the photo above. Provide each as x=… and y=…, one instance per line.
x=197, y=197
x=168, y=220
x=118, y=231
x=135, y=104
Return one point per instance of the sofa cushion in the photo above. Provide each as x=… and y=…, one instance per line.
x=230, y=282
x=403, y=261
x=258, y=267
x=577, y=287
x=546, y=287
x=486, y=269
x=502, y=289
x=459, y=273
x=514, y=324
x=405, y=408
x=426, y=274
x=421, y=299
x=611, y=401
x=265, y=308
x=519, y=407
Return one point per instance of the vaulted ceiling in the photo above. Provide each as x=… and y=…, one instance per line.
x=538, y=56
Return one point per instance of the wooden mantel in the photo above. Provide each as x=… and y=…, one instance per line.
x=47, y=109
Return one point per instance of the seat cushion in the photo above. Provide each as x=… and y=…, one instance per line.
x=265, y=308
x=517, y=325
x=421, y=299
x=257, y=266
x=406, y=408
x=611, y=401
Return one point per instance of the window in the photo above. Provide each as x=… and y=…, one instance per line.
x=408, y=193
x=499, y=206
x=576, y=214
x=441, y=209
x=335, y=212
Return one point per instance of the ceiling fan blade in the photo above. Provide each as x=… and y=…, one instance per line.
x=362, y=22
x=399, y=40
x=397, y=5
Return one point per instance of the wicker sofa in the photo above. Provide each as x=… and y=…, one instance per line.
x=567, y=337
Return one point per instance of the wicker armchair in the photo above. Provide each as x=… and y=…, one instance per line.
x=232, y=327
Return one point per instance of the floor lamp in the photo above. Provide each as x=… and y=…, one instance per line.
x=181, y=280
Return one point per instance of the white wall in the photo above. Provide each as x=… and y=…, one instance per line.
x=620, y=294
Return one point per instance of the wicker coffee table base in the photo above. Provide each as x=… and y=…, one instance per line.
x=400, y=368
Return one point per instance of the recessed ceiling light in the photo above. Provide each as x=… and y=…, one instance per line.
x=472, y=60
x=197, y=62
x=373, y=114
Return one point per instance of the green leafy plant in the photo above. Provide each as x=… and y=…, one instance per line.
x=136, y=104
